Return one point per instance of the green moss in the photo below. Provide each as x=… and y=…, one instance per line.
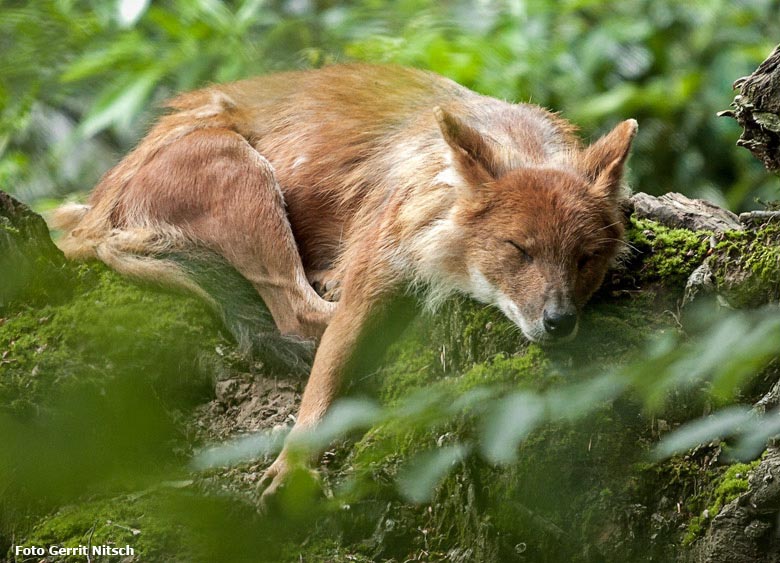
x=615, y=328
x=412, y=364
x=134, y=520
x=694, y=530
x=109, y=326
x=747, y=265
x=733, y=483
x=669, y=255
x=323, y=550
x=485, y=331
x=529, y=369
x=465, y=332
x=724, y=489
x=447, y=344
x=410, y=384
x=6, y=225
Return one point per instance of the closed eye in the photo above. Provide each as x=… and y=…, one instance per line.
x=523, y=252
x=583, y=261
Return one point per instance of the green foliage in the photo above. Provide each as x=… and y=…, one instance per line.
x=80, y=79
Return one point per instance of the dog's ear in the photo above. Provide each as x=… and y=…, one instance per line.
x=604, y=161
x=472, y=155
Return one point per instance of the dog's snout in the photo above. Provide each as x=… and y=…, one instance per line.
x=559, y=323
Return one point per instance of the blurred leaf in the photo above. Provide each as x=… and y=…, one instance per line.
x=754, y=439
x=577, y=400
x=750, y=352
x=88, y=436
x=128, y=49
x=418, y=479
x=727, y=352
x=346, y=415
x=508, y=423
x=700, y=431
x=477, y=399
x=239, y=450
x=119, y=104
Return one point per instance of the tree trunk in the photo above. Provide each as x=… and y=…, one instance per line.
x=757, y=110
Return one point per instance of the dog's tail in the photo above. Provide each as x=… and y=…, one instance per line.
x=164, y=256
x=132, y=251
x=66, y=217
x=243, y=312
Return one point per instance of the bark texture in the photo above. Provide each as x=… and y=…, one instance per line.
x=757, y=110
x=680, y=212
x=745, y=530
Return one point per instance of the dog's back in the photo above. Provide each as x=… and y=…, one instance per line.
x=342, y=138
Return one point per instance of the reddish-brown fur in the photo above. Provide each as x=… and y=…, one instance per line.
x=380, y=177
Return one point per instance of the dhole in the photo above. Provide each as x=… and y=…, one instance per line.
x=379, y=177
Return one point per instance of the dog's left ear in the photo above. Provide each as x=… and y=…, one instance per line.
x=472, y=153
x=604, y=161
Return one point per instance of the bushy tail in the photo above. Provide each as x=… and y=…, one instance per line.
x=243, y=312
x=163, y=255
x=66, y=217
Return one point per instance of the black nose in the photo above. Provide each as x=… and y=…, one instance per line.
x=559, y=324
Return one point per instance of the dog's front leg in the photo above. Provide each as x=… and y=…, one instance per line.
x=371, y=313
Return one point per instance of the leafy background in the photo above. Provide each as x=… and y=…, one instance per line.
x=81, y=80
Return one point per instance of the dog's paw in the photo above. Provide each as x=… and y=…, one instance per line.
x=326, y=284
x=281, y=474
x=272, y=482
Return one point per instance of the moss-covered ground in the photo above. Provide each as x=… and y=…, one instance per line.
x=93, y=389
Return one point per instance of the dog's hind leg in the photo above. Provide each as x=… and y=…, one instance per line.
x=223, y=194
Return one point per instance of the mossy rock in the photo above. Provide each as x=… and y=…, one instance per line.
x=723, y=488
x=97, y=385
x=32, y=269
x=110, y=328
x=575, y=491
x=668, y=256
x=746, y=266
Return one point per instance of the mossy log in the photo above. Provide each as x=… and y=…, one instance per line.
x=742, y=263
x=144, y=363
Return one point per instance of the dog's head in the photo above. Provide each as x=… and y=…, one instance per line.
x=537, y=241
